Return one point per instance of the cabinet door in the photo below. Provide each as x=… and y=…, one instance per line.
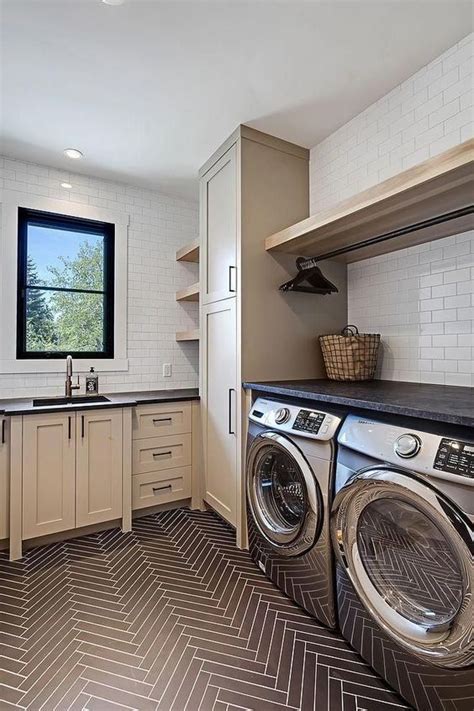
x=220, y=420
x=4, y=478
x=99, y=466
x=49, y=472
x=218, y=209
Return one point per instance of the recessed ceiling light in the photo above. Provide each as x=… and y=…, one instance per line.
x=73, y=153
x=67, y=186
x=113, y=2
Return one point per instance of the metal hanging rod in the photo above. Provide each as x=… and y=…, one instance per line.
x=431, y=222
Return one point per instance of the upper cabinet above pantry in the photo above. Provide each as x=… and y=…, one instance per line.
x=218, y=204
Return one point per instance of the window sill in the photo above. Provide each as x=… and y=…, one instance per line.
x=104, y=365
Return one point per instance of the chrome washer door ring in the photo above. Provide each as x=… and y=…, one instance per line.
x=408, y=554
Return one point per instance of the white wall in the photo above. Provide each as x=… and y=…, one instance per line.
x=159, y=225
x=420, y=299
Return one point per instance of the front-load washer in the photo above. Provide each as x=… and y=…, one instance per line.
x=290, y=468
x=402, y=530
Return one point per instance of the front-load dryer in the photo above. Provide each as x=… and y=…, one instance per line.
x=402, y=529
x=290, y=467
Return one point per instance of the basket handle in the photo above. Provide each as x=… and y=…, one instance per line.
x=350, y=330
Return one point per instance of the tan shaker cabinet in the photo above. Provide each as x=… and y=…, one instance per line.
x=219, y=402
x=218, y=215
x=4, y=478
x=99, y=466
x=49, y=473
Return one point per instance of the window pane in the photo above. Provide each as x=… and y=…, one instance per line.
x=65, y=259
x=64, y=321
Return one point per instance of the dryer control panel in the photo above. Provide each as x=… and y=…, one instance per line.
x=295, y=420
x=455, y=457
x=309, y=421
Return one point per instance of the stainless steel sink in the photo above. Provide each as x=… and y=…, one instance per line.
x=88, y=400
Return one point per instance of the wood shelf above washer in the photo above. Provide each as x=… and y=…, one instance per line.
x=189, y=293
x=189, y=253
x=439, y=186
x=192, y=335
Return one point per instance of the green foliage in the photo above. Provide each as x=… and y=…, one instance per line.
x=68, y=321
x=40, y=334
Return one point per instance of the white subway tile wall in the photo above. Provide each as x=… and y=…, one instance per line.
x=159, y=225
x=419, y=299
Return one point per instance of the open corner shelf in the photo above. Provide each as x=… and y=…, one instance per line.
x=189, y=293
x=189, y=253
x=424, y=203
x=192, y=335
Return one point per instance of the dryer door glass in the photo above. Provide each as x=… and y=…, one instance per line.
x=283, y=495
x=407, y=551
x=410, y=562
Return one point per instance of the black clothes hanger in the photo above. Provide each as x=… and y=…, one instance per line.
x=309, y=279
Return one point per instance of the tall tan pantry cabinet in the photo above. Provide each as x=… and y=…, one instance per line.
x=252, y=186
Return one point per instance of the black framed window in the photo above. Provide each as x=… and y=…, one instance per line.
x=65, y=303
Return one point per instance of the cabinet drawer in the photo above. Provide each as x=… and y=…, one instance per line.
x=157, y=453
x=160, y=487
x=158, y=420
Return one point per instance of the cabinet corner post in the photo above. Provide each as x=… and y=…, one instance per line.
x=127, y=469
x=16, y=487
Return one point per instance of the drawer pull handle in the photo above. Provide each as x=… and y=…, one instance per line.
x=161, y=454
x=161, y=488
x=163, y=419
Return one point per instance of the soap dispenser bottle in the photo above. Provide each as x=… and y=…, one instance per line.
x=92, y=383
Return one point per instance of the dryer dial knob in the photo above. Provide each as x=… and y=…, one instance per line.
x=407, y=445
x=282, y=415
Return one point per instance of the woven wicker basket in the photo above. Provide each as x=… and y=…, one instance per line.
x=351, y=356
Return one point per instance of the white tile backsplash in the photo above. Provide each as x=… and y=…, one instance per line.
x=159, y=225
x=423, y=293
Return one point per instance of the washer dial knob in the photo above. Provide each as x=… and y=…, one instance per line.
x=407, y=445
x=282, y=415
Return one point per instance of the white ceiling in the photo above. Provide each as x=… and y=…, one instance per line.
x=149, y=89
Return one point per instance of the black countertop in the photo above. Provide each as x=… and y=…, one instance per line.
x=24, y=406
x=441, y=403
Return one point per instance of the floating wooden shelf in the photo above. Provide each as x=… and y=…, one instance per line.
x=441, y=185
x=188, y=253
x=189, y=293
x=192, y=335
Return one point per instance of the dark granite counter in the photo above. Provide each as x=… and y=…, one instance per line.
x=441, y=403
x=24, y=406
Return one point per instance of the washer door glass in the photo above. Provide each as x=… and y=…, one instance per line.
x=283, y=494
x=410, y=562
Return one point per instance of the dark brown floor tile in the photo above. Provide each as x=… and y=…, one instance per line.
x=171, y=617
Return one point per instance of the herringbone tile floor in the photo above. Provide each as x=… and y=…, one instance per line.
x=170, y=617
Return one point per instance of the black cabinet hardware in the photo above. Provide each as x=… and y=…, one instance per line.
x=3, y=431
x=82, y=425
x=161, y=454
x=162, y=488
x=231, y=429
x=163, y=419
x=230, y=280
x=69, y=427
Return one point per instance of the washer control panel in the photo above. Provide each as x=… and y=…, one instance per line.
x=309, y=421
x=455, y=457
x=285, y=417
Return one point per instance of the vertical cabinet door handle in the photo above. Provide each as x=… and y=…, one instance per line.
x=231, y=428
x=232, y=290
x=69, y=427
x=82, y=426
x=3, y=431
